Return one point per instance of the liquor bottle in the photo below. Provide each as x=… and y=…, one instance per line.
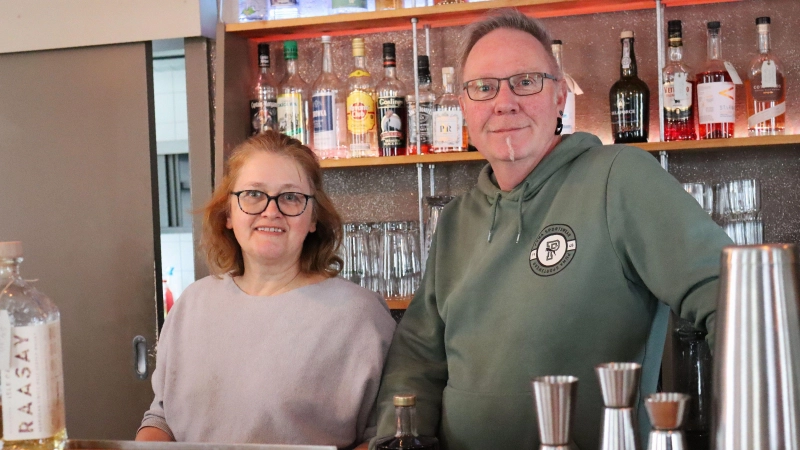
x=30, y=361
x=264, y=104
x=427, y=101
x=348, y=6
x=284, y=9
x=568, y=116
x=361, y=111
x=629, y=98
x=765, y=88
x=328, y=109
x=391, y=107
x=292, y=98
x=313, y=8
x=716, y=93
x=406, y=436
x=678, y=90
x=449, y=131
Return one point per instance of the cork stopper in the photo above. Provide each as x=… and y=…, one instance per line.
x=627, y=34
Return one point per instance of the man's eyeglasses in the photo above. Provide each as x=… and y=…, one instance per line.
x=522, y=84
x=254, y=202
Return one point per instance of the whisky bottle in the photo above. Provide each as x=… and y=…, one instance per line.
x=406, y=436
x=361, y=111
x=716, y=93
x=568, y=116
x=678, y=86
x=328, y=109
x=30, y=361
x=449, y=129
x=292, y=98
x=765, y=88
x=629, y=98
x=427, y=101
x=264, y=104
x=392, y=121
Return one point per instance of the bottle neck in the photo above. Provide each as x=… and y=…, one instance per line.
x=327, y=59
x=291, y=66
x=406, y=420
x=9, y=269
x=264, y=69
x=714, y=47
x=675, y=54
x=557, y=56
x=424, y=81
x=627, y=66
x=763, y=41
x=390, y=71
x=359, y=62
x=449, y=87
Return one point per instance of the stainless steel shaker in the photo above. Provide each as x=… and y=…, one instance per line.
x=757, y=352
x=554, y=398
x=667, y=411
x=619, y=383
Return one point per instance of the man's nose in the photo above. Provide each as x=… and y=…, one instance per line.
x=506, y=100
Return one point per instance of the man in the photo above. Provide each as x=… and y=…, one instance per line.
x=566, y=254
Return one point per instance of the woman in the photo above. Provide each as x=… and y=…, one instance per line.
x=272, y=348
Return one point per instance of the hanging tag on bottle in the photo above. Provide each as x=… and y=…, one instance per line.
x=5, y=340
x=769, y=78
x=679, y=86
x=732, y=72
x=573, y=85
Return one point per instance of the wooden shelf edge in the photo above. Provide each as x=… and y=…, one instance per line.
x=398, y=303
x=719, y=144
x=402, y=160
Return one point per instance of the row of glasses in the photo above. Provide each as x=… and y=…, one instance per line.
x=735, y=205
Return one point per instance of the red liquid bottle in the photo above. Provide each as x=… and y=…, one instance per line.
x=678, y=86
x=406, y=436
x=716, y=93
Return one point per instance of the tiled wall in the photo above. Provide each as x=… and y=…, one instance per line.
x=169, y=86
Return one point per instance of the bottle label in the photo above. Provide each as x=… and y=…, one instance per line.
x=358, y=73
x=679, y=87
x=762, y=93
x=673, y=104
x=626, y=54
x=626, y=113
x=568, y=118
x=766, y=114
x=360, y=4
x=33, y=387
x=732, y=72
x=360, y=112
x=716, y=102
x=290, y=115
x=263, y=115
x=425, y=116
x=448, y=129
x=391, y=114
x=769, y=74
x=323, y=111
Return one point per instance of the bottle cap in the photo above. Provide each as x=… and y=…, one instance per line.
x=762, y=21
x=263, y=55
x=713, y=25
x=626, y=35
x=423, y=62
x=358, y=47
x=325, y=39
x=10, y=250
x=290, y=50
x=557, y=42
x=448, y=71
x=388, y=54
x=405, y=400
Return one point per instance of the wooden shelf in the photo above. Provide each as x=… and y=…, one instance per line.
x=435, y=16
x=398, y=303
x=400, y=160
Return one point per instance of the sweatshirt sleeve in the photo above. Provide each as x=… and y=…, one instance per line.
x=155, y=417
x=663, y=238
x=416, y=363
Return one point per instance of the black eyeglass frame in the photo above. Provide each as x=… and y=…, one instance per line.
x=544, y=76
x=271, y=198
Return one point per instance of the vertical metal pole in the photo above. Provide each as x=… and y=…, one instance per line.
x=422, y=256
x=432, y=183
x=660, y=42
x=416, y=86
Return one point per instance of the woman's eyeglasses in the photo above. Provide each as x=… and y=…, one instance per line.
x=255, y=202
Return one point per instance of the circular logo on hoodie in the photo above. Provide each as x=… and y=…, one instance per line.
x=553, y=250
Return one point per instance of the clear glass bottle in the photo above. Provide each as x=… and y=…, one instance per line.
x=449, y=130
x=568, y=118
x=765, y=88
x=348, y=6
x=678, y=86
x=361, y=111
x=293, y=98
x=629, y=98
x=33, y=417
x=427, y=101
x=392, y=113
x=716, y=93
x=328, y=109
x=406, y=436
x=284, y=9
x=264, y=103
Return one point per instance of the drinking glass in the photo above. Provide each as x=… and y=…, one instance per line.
x=703, y=193
x=435, y=206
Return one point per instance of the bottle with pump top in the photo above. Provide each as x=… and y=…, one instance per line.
x=361, y=110
x=629, y=98
x=392, y=121
x=449, y=130
x=427, y=101
x=292, y=98
x=30, y=354
x=328, y=109
x=716, y=93
x=406, y=436
x=765, y=88
x=678, y=90
x=264, y=104
x=568, y=117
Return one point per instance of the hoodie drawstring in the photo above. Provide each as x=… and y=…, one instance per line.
x=494, y=216
x=519, y=219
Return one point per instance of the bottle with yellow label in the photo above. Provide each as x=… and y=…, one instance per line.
x=361, y=110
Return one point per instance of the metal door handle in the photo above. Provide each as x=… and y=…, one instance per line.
x=140, y=368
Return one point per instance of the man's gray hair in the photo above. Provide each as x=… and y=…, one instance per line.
x=509, y=18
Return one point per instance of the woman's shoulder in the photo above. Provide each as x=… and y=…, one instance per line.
x=348, y=292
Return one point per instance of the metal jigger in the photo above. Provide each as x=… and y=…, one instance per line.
x=619, y=383
x=554, y=397
x=667, y=411
x=757, y=353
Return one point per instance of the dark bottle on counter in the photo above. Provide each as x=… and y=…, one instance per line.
x=406, y=436
x=264, y=104
x=392, y=120
x=693, y=376
x=629, y=98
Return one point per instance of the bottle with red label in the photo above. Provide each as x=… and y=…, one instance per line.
x=716, y=93
x=392, y=120
x=678, y=86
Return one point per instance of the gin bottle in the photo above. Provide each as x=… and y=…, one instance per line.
x=427, y=101
x=449, y=130
x=716, y=93
x=629, y=98
x=30, y=361
x=328, y=109
x=765, y=88
x=568, y=117
x=292, y=98
x=392, y=122
x=406, y=436
x=264, y=103
x=678, y=90
x=361, y=111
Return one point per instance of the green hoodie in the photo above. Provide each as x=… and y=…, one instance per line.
x=560, y=274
